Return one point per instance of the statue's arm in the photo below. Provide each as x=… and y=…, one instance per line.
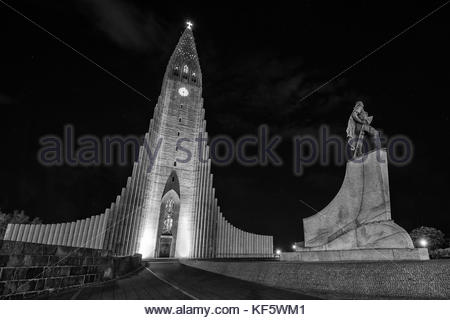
x=357, y=118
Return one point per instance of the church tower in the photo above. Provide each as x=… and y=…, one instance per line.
x=168, y=207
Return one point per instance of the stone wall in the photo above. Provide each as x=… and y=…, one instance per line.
x=28, y=269
x=383, y=279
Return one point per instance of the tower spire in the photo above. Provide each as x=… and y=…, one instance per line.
x=184, y=63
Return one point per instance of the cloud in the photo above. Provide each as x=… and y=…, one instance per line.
x=266, y=89
x=126, y=25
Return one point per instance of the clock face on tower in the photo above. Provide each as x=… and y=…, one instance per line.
x=183, y=92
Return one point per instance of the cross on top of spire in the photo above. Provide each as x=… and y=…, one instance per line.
x=189, y=25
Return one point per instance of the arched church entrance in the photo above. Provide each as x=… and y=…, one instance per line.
x=168, y=219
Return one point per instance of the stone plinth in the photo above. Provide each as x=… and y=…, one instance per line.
x=356, y=255
x=357, y=224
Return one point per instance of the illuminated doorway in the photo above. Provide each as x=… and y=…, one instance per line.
x=168, y=219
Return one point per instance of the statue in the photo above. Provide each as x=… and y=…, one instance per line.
x=357, y=224
x=168, y=219
x=359, y=124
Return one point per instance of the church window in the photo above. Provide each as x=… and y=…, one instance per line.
x=175, y=164
x=185, y=69
x=176, y=72
x=179, y=120
x=178, y=134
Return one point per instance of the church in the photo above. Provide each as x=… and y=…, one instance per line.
x=168, y=207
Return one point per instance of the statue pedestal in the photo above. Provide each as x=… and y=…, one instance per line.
x=357, y=224
x=356, y=255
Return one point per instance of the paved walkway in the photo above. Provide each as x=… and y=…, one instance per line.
x=166, y=280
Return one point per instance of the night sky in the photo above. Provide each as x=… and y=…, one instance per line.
x=258, y=63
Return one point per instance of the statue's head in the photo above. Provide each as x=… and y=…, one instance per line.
x=359, y=105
